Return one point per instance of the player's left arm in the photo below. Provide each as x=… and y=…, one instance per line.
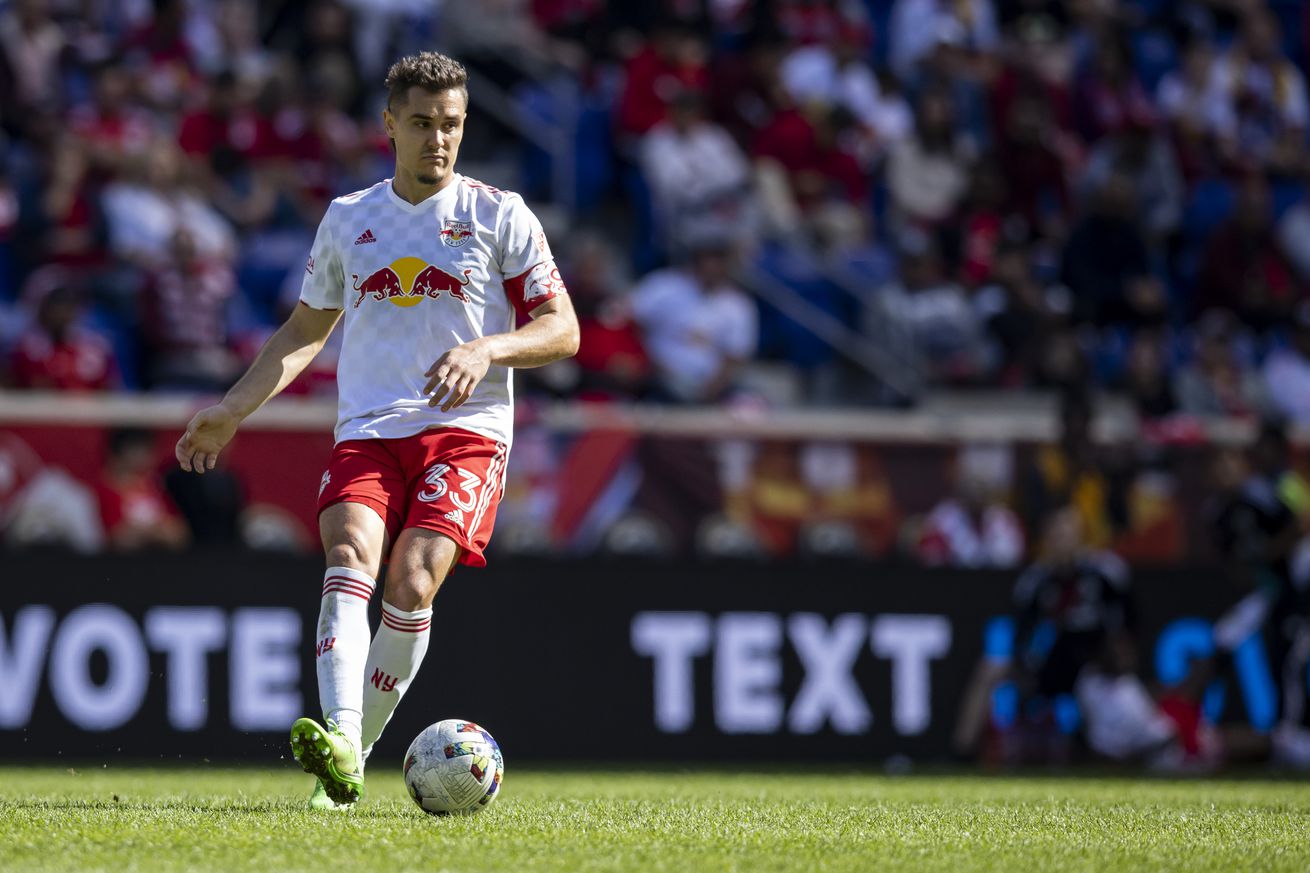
x=552, y=334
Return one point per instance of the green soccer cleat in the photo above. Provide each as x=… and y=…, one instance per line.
x=330, y=755
x=318, y=799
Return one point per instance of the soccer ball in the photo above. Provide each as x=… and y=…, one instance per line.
x=453, y=766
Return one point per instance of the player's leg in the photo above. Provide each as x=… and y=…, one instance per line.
x=457, y=478
x=420, y=561
x=976, y=704
x=354, y=540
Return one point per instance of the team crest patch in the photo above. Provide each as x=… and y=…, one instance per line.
x=456, y=233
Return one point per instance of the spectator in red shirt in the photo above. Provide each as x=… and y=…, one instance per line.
x=225, y=122
x=1244, y=270
x=982, y=223
x=111, y=128
x=806, y=172
x=611, y=361
x=134, y=508
x=1031, y=163
x=675, y=61
x=161, y=57
x=56, y=354
x=68, y=210
x=1109, y=95
x=815, y=22
x=232, y=150
x=746, y=85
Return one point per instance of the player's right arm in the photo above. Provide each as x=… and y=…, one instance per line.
x=287, y=352
x=280, y=361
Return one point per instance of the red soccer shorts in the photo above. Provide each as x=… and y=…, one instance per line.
x=446, y=479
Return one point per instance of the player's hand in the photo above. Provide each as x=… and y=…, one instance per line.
x=456, y=374
x=208, y=432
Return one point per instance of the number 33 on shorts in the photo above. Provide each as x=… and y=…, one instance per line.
x=444, y=479
x=469, y=484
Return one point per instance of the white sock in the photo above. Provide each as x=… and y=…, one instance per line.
x=342, y=647
x=393, y=662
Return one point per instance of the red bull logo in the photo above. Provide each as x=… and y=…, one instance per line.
x=407, y=281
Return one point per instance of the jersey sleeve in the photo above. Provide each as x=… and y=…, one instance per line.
x=531, y=277
x=324, y=284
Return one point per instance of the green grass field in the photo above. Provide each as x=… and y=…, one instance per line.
x=125, y=819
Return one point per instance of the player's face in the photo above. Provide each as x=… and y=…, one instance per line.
x=427, y=127
x=1064, y=535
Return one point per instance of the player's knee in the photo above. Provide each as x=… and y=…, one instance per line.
x=410, y=588
x=347, y=550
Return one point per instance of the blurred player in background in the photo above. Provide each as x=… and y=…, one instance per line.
x=432, y=271
x=1073, y=612
x=1256, y=533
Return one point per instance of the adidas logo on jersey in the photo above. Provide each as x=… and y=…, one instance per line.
x=456, y=516
x=366, y=237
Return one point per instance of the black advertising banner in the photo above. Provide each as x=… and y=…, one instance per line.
x=212, y=656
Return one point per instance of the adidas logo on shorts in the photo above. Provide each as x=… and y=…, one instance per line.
x=456, y=516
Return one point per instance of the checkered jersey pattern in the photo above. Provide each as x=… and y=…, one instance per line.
x=415, y=280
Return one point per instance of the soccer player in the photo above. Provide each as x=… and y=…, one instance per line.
x=1079, y=599
x=1256, y=533
x=431, y=271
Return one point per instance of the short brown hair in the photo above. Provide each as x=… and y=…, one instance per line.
x=430, y=70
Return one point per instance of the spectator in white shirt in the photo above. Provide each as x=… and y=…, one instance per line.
x=152, y=204
x=930, y=315
x=1258, y=98
x=695, y=170
x=973, y=528
x=838, y=75
x=1139, y=152
x=697, y=326
x=928, y=173
x=1287, y=371
x=1216, y=381
x=915, y=25
x=1184, y=95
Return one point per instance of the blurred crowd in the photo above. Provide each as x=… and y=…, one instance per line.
x=800, y=201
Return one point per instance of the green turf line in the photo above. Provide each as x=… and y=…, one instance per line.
x=236, y=820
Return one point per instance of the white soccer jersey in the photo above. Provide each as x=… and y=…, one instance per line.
x=415, y=281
